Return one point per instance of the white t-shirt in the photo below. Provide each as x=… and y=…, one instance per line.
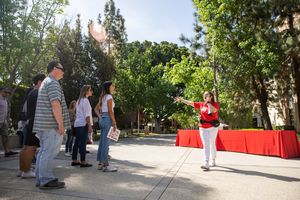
x=83, y=110
x=104, y=103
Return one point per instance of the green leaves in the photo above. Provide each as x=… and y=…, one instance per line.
x=23, y=31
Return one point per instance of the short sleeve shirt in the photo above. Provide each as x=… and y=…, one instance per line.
x=44, y=119
x=83, y=110
x=104, y=103
x=203, y=113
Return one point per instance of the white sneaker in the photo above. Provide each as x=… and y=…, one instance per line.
x=213, y=163
x=19, y=173
x=67, y=154
x=109, y=169
x=205, y=167
x=29, y=174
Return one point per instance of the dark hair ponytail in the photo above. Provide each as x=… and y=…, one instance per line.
x=105, y=90
x=210, y=94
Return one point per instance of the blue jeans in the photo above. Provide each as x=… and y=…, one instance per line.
x=69, y=142
x=50, y=142
x=80, y=142
x=105, y=124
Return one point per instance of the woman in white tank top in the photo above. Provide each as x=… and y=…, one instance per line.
x=107, y=121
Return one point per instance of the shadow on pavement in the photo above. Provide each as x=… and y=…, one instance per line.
x=256, y=173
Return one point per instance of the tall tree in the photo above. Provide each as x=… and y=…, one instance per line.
x=244, y=43
x=71, y=54
x=114, y=24
x=287, y=22
x=23, y=28
x=141, y=82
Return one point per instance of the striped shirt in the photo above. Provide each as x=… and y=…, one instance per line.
x=44, y=119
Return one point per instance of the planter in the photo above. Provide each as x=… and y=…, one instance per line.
x=13, y=142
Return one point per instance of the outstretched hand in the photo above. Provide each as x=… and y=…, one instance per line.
x=178, y=99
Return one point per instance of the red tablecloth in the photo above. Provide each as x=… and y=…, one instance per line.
x=274, y=143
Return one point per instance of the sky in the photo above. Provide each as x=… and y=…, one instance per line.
x=152, y=20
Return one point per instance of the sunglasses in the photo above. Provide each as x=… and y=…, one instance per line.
x=62, y=69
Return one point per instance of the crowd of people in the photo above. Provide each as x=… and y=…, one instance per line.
x=46, y=119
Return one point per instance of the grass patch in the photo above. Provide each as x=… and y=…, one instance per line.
x=142, y=134
x=96, y=137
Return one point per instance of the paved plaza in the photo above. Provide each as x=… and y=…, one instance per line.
x=154, y=168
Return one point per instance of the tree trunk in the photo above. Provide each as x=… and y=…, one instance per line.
x=296, y=71
x=262, y=96
x=296, y=75
x=286, y=110
x=215, y=81
x=157, y=125
x=138, y=120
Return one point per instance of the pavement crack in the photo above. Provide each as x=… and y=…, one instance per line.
x=160, y=188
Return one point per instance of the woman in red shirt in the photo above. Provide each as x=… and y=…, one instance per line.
x=208, y=113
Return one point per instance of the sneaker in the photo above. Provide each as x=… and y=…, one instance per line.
x=109, y=169
x=86, y=165
x=100, y=166
x=213, y=164
x=76, y=163
x=29, y=174
x=19, y=173
x=205, y=167
x=11, y=153
x=54, y=184
x=37, y=184
x=32, y=167
x=67, y=154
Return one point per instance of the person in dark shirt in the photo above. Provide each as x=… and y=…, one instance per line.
x=31, y=142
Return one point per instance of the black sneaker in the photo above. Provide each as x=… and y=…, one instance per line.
x=86, y=165
x=54, y=184
x=76, y=163
x=38, y=184
x=10, y=153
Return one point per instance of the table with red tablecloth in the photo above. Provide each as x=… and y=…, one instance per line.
x=280, y=143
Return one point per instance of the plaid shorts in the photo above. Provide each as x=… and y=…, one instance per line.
x=3, y=129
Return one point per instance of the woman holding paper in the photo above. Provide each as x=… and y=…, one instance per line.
x=107, y=121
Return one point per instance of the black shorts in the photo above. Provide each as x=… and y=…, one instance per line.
x=30, y=139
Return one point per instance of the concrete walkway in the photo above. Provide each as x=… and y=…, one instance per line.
x=154, y=168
